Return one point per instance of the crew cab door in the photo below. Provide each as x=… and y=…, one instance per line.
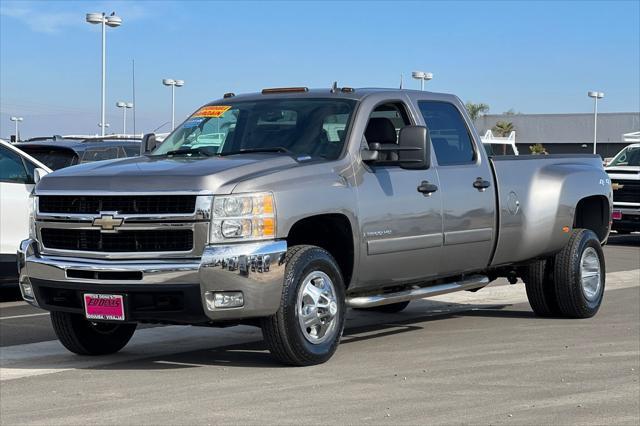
x=466, y=183
x=400, y=227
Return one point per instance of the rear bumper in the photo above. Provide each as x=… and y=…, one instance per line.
x=163, y=290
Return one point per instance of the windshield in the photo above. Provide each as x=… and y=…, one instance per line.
x=630, y=156
x=300, y=127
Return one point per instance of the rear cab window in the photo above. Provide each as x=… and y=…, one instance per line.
x=450, y=136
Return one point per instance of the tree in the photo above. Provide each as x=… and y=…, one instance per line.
x=475, y=110
x=503, y=128
x=538, y=149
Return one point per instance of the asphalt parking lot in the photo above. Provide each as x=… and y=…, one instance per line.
x=479, y=358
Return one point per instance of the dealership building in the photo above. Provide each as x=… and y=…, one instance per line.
x=569, y=133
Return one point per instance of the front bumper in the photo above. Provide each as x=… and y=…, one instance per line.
x=630, y=218
x=256, y=269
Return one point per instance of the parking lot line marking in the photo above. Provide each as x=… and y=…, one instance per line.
x=24, y=316
x=186, y=364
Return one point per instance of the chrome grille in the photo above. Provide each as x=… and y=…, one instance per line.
x=628, y=193
x=142, y=204
x=119, y=242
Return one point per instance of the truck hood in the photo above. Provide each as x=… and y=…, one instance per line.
x=161, y=174
x=624, y=172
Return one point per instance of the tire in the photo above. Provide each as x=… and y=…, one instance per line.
x=541, y=291
x=287, y=339
x=84, y=337
x=579, y=274
x=391, y=308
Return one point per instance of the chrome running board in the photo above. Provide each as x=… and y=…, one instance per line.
x=471, y=283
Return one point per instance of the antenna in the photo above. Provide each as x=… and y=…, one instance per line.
x=400, y=81
x=334, y=87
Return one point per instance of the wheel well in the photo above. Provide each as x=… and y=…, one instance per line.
x=333, y=233
x=593, y=213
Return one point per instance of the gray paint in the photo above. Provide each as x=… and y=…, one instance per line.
x=399, y=235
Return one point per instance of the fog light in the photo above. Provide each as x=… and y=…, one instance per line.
x=616, y=215
x=27, y=290
x=224, y=300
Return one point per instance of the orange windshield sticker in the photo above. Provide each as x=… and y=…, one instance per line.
x=212, y=111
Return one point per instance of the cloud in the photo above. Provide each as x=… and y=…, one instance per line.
x=38, y=20
x=42, y=19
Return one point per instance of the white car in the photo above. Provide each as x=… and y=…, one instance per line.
x=17, y=173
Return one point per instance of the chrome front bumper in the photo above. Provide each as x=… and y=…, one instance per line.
x=256, y=269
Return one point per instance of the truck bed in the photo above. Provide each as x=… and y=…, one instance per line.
x=537, y=197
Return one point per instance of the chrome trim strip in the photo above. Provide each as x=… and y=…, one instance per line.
x=471, y=283
x=122, y=193
x=468, y=236
x=391, y=245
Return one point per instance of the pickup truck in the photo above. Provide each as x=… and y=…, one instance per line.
x=283, y=208
x=624, y=172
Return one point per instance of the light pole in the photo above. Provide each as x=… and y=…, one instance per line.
x=112, y=21
x=124, y=106
x=422, y=76
x=173, y=83
x=17, y=120
x=595, y=96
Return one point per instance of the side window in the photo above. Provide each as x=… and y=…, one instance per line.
x=383, y=119
x=99, y=154
x=449, y=134
x=12, y=168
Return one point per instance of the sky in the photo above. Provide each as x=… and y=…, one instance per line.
x=532, y=57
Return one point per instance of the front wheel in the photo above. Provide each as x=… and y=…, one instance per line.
x=307, y=328
x=84, y=337
x=579, y=275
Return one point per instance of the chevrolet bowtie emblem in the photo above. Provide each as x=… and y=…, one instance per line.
x=615, y=186
x=107, y=222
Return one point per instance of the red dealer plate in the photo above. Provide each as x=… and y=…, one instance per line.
x=104, y=307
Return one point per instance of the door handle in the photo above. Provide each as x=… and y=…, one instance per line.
x=481, y=184
x=427, y=188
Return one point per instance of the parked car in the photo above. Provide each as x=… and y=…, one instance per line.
x=17, y=177
x=58, y=152
x=310, y=202
x=624, y=171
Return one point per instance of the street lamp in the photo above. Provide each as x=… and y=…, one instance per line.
x=124, y=106
x=595, y=96
x=112, y=21
x=422, y=76
x=17, y=120
x=173, y=83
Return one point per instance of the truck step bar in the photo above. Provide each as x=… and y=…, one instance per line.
x=471, y=283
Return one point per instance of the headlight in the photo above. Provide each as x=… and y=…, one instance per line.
x=33, y=200
x=243, y=217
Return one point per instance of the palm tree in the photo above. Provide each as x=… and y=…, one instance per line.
x=475, y=110
x=503, y=128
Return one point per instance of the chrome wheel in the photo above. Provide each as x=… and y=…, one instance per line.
x=317, y=308
x=590, y=274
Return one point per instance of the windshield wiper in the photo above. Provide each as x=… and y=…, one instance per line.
x=202, y=150
x=252, y=150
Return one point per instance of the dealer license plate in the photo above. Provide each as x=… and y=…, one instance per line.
x=104, y=307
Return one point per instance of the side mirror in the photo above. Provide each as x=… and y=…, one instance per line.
x=38, y=173
x=148, y=143
x=414, y=152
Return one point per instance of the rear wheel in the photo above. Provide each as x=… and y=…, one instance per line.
x=541, y=291
x=307, y=328
x=579, y=275
x=391, y=308
x=84, y=337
